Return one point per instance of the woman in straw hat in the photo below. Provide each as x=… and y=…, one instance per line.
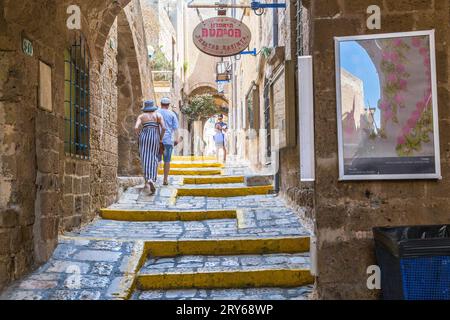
x=150, y=142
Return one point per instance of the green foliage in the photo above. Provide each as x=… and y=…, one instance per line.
x=420, y=134
x=186, y=67
x=201, y=107
x=266, y=51
x=159, y=62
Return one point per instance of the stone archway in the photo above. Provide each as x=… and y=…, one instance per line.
x=133, y=84
x=197, y=128
x=43, y=190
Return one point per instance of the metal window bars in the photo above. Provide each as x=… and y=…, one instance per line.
x=299, y=17
x=77, y=100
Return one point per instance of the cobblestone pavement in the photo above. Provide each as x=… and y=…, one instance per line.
x=78, y=270
x=91, y=263
x=263, y=216
x=301, y=293
x=226, y=263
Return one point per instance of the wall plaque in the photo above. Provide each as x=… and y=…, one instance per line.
x=45, y=87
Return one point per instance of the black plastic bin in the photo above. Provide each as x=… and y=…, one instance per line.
x=414, y=262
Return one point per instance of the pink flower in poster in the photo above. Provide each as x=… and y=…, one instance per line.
x=384, y=105
x=401, y=140
x=392, y=78
x=387, y=115
x=394, y=57
x=416, y=42
x=399, y=98
x=420, y=106
x=398, y=42
x=400, y=68
x=426, y=62
x=386, y=56
x=403, y=84
x=415, y=116
x=424, y=51
x=406, y=130
x=412, y=123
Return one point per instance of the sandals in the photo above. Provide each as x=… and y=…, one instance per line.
x=150, y=188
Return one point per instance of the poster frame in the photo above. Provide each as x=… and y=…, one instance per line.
x=342, y=176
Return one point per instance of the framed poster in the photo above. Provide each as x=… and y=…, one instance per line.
x=387, y=107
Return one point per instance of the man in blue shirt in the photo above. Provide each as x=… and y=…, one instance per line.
x=171, y=121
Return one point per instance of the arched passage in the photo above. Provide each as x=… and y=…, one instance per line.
x=132, y=86
x=201, y=143
x=52, y=191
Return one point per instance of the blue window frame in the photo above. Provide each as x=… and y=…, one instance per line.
x=77, y=100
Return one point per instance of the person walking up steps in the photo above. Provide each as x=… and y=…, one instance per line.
x=150, y=142
x=219, y=138
x=171, y=121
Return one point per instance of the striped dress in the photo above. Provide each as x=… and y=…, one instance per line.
x=149, y=150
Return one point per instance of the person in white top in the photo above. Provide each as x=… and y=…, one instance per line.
x=219, y=138
x=169, y=141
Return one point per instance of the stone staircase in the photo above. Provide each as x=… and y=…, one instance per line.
x=247, y=265
x=201, y=237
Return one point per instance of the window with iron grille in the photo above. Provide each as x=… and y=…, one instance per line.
x=299, y=12
x=77, y=100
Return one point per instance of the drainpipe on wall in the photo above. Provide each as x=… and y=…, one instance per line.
x=275, y=44
x=275, y=26
x=277, y=174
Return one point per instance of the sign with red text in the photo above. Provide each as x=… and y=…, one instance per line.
x=222, y=36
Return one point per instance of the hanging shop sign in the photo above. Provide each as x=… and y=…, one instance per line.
x=222, y=36
x=387, y=107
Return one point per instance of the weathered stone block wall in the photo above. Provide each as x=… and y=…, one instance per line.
x=346, y=211
x=300, y=195
x=42, y=191
x=134, y=84
x=104, y=136
x=18, y=167
x=76, y=193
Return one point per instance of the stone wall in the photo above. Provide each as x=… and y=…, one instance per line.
x=134, y=84
x=43, y=191
x=256, y=69
x=345, y=212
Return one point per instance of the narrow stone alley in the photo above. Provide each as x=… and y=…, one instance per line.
x=308, y=143
x=232, y=241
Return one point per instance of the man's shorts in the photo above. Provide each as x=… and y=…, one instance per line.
x=167, y=156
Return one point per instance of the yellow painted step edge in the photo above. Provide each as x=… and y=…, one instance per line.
x=194, y=165
x=226, y=279
x=171, y=248
x=213, y=180
x=224, y=192
x=193, y=172
x=166, y=215
x=193, y=158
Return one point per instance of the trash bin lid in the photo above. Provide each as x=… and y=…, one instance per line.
x=414, y=241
